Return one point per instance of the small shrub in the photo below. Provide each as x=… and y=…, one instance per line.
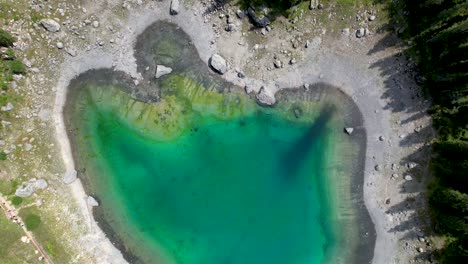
x=3, y=156
x=6, y=39
x=16, y=200
x=17, y=67
x=32, y=221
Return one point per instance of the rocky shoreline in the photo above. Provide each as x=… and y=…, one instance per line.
x=357, y=80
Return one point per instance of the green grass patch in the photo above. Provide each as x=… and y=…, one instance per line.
x=16, y=200
x=32, y=221
x=6, y=39
x=12, y=250
x=3, y=156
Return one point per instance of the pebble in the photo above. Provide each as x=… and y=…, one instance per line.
x=408, y=178
x=59, y=45
x=95, y=24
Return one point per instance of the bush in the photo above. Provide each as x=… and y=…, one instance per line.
x=6, y=39
x=17, y=67
x=16, y=200
x=32, y=221
x=3, y=156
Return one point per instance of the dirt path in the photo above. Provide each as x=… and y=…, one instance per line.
x=11, y=214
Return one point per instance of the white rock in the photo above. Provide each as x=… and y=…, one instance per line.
x=59, y=45
x=7, y=108
x=248, y=89
x=91, y=201
x=50, y=25
x=345, y=31
x=174, y=10
x=349, y=130
x=27, y=147
x=162, y=70
x=40, y=184
x=372, y=18
x=95, y=24
x=69, y=177
x=265, y=97
x=408, y=178
x=360, y=33
x=218, y=63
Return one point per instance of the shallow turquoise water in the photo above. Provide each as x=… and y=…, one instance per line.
x=250, y=189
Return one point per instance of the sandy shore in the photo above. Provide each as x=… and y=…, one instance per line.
x=365, y=84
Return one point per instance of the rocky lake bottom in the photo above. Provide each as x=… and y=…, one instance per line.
x=187, y=168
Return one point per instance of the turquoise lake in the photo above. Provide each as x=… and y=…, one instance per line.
x=205, y=176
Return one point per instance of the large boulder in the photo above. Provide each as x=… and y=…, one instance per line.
x=218, y=63
x=265, y=97
x=162, y=70
x=26, y=189
x=69, y=177
x=174, y=10
x=50, y=24
x=259, y=18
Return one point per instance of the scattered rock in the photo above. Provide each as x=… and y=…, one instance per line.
x=387, y=201
x=345, y=31
x=28, y=147
x=95, y=24
x=420, y=250
x=382, y=138
x=41, y=184
x=218, y=63
x=59, y=45
x=174, y=10
x=91, y=201
x=292, y=61
x=265, y=97
x=360, y=33
x=69, y=177
x=306, y=86
x=421, y=239
x=408, y=178
x=372, y=18
x=241, y=75
x=71, y=52
x=349, y=130
x=50, y=25
x=162, y=70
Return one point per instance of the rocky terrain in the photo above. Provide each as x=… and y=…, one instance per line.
x=350, y=46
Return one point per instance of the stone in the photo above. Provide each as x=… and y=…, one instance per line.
x=265, y=97
x=349, y=130
x=260, y=20
x=381, y=138
x=71, y=52
x=95, y=24
x=306, y=86
x=174, y=9
x=59, y=45
x=218, y=63
x=162, y=70
x=230, y=27
x=411, y=165
x=28, y=147
x=248, y=89
x=313, y=4
x=91, y=201
x=70, y=177
x=408, y=178
x=420, y=250
x=50, y=25
x=240, y=14
x=40, y=184
x=360, y=33
x=292, y=61
x=8, y=107
x=278, y=64
x=241, y=75
x=372, y=18
x=378, y=168
x=345, y=31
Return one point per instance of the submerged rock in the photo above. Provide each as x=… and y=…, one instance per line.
x=265, y=97
x=50, y=25
x=218, y=63
x=174, y=10
x=162, y=70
